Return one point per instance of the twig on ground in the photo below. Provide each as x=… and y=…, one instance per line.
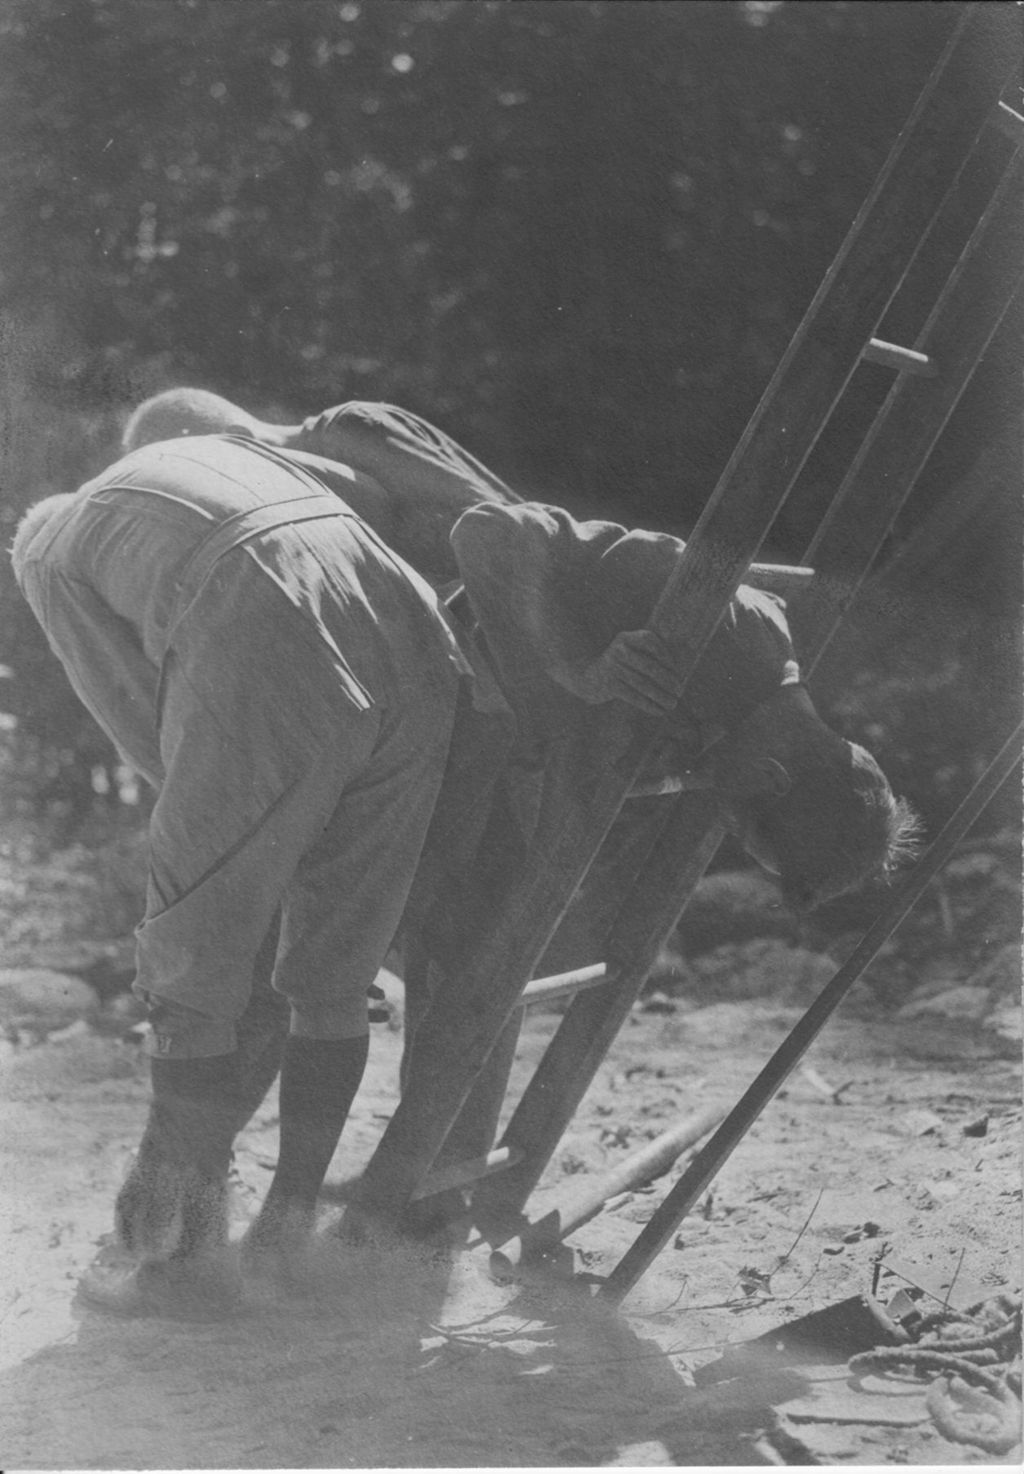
x=807, y=1223
x=956, y=1274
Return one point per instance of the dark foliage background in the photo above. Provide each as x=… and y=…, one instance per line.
x=578, y=235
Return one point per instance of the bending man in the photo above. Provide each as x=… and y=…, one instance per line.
x=288, y=684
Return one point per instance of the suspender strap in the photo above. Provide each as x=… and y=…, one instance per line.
x=241, y=526
x=231, y=532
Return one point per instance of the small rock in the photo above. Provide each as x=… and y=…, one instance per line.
x=868, y=1230
x=977, y=1128
x=48, y=1000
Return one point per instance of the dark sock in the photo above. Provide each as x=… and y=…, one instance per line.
x=319, y=1080
x=260, y=1062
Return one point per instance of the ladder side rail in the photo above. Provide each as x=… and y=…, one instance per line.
x=899, y=444
x=1009, y=179
x=749, y=494
x=649, y=911
x=459, y=1031
x=579, y=1046
x=590, y=1024
x=900, y=441
x=461, y=1028
x=1011, y=257
x=944, y=126
x=958, y=325
x=947, y=234
x=612, y=872
x=904, y=432
x=709, y=1160
x=959, y=503
x=587, y=780
x=575, y=1052
x=614, y=881
x=958, y=330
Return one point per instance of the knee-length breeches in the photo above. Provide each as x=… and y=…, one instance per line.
x=336, y=846
x=274, y=788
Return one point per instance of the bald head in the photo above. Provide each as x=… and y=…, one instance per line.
x=178, y=412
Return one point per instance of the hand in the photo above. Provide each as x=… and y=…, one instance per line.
x=637, y=667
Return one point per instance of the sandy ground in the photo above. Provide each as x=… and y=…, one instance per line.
x=401, y=1359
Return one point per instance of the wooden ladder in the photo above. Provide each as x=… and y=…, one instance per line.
x=909, y=230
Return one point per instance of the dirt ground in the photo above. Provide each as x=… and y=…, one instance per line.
x=403, y=1359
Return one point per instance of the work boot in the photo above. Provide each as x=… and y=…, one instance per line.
x=172, y=1210
x=184, y=1155
x=172, y=1289
x=198, y=1281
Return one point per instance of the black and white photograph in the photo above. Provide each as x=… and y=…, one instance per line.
x=510, y=734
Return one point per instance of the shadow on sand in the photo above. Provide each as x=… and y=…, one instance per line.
x=395, y=1357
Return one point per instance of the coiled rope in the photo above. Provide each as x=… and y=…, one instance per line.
x=976, y=1397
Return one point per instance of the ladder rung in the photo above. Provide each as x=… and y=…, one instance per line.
x=778, y=578
x=1009, y=122
x=563, y=984
x=461, y=1174
x=905, y=360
